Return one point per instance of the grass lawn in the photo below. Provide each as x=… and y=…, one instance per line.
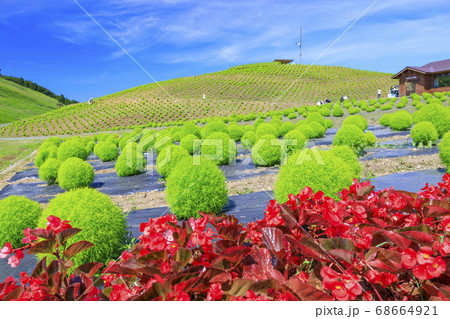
x=18, y=102
x=12, y=151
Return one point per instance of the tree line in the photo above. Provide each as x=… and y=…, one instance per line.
x=31, y=85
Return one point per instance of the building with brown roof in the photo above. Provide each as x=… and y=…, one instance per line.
x=432, y=77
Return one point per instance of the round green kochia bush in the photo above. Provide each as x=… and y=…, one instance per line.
x=70, y=149
x=220, y=148
x=106, y=151
x=352, y=136
x=315, y=117
x=196, y=185
x=287, y=127
x=267, y=151
x=249, y=139
x=190, y=128
x=444, y=150
x=235, y=132
x=385, y=120
x=306, y=130
x=168, y=158
x=90, y=147
x=337, y=111
x=424, y=133
x=213, y=126
x=48, y=171
x=265, y=128
x=191, y=143
x=16, y=214
x=294, y=140
x=328, y=123
x=102, y=223
x=162, y=141
x=317, y=128
x=436, y=114
x=55, y=140
x=349, y=157
x=44, y=153
x=75, y=173
x=130, y=163
x=356, y=120
x=320, y=170
x=401, y=121
x=371, y=139
x=147, y=141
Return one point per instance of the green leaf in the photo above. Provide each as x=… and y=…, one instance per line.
x=77, y=248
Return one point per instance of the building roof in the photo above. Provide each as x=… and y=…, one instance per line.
x=282, y=61
x=430, y=68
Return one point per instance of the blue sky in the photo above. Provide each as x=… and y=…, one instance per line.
x=54, y=43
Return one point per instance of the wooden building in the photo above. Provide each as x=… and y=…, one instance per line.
x=283, y=61
x=432, y=77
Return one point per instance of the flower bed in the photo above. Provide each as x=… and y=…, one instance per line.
x=385, y=245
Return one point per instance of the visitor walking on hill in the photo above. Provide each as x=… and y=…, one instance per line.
x=379, y=92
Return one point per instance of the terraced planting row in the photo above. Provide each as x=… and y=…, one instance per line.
x=246, y=91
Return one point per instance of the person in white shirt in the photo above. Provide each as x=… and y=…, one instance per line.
x=379, y=93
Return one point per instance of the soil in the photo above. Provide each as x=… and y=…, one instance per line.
x=19, y=166
x=381, y=167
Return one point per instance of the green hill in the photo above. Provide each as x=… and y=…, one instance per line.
x=18, y=103
x=243, y=90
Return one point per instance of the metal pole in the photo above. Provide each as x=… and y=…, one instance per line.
x=300, y=46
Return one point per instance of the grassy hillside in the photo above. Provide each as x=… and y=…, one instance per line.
x=18, y=103
x=243, y=90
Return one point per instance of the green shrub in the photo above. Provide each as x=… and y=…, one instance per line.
x=219, y=148
x=249, y=139
x=444, y=150
x=307, y=130
x=235, y=132
x=356, y=120
x=386, y=107
x=55, y=140
x=315, y=117
x=401, y=120
x=371, y=139
x=191, y=143
x=264, y=129
x=276, y=121
x=162, y=141
x=292, y=116
x=196, y=185
x=48, y=171
x=70, y=149
x=349, y=157
x=102, y=223
x=325, y=112
x=337, y=111
x=320, y=170
x=248, y=128
x=90, y=147
x=436, y=114
x=294, y=140
x=258, y=122
x=317, y=128
x=350, y=135
x=168, y=158
x=385, y=120
x=213, y=126
x=16, y=214
x=75, y=173
x=287, y=127
x=147, y=142
x=106, y=151
x=43, y=154
x=190, y=128
x=130, y=163
x=424, y=134
x=328, y=123
x=267, y=151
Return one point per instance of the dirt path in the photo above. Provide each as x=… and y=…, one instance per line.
x=18, y=166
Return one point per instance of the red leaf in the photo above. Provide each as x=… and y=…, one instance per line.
x=13, y=295
x=66, y=234
x=90, y=269
x=397, y=239
x=234, y=254
x=307, y=247
x=43, y=247
x=42, y=233
x=437, y=209
x=77, y=248
x=306, y=292
x=239, y=287
x=290, y=217
x=417, y=236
